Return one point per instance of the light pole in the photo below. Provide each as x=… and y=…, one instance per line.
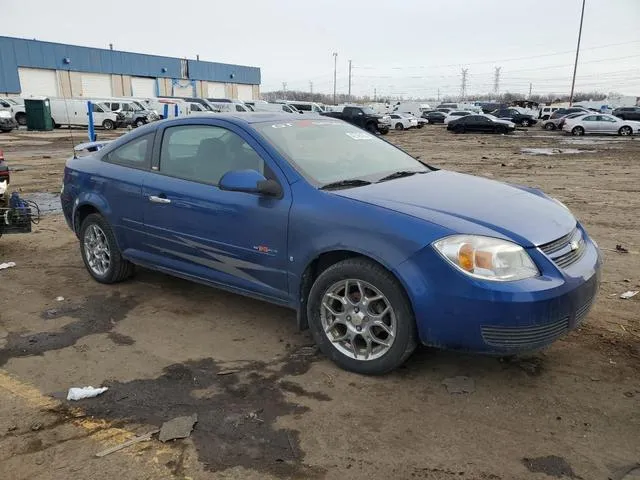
x=575, y=66
x=335, y=67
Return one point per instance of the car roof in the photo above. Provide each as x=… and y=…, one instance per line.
x=243, y=118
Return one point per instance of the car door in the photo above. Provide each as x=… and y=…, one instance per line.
x=232, y=239
x=608, y=124
x=591, y=124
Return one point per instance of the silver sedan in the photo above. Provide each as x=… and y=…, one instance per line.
x=603, y=124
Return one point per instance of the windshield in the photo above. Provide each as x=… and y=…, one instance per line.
x=369, y=111
x=327, y=151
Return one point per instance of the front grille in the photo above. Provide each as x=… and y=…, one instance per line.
x=524, y=337
x=566, y=250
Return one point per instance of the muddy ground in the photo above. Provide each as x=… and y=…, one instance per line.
x=268, y=405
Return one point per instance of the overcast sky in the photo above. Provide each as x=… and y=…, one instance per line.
x=398, y=47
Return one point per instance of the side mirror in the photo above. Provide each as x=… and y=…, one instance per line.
x=249, y=181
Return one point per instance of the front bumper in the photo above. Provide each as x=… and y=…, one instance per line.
x=8, y=124
x=459, y=312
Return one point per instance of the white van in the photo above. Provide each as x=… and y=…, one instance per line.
x=274, y=107
x=306, y=107
x=73, y=112
x=414, y=108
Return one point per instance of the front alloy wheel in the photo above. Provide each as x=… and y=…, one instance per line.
x=358, y=319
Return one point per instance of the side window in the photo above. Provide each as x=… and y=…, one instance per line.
x=135, y=153
x=590, y=118
x=96, y=109
x=204, y=153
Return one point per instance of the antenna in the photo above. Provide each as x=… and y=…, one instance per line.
x=66, y=108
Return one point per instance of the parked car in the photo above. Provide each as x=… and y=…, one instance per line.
x=514, y=116
x=561, y=112
x=481, y=123
x=130, y=112
x=545, y=112
x=627, y=113
x=205, y=105
x=434, y=116
x=7, y=122
x=16, y=107
x=375, y=251
x=446, y=110
x=451, y=106
x=274, y=107
x=455, y=115
x=604, y=124
x=557, y=123
x=363, y=117
x=400, y=121
x=413, y=108
x=230, y=106
x=74, y=113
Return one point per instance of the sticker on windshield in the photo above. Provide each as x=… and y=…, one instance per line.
x=360, y=135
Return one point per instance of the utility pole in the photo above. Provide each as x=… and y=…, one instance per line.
x=496, y=81
x=438, y=95
x=311, y=88
x=575, y=66
x=335, y=69
x=349, y=95
x=375, y=94
x=463, y=85
x=530, y=87
x=284, y=89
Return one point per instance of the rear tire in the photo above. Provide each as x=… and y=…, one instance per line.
x=399, y=126
x=577, y=131
x=549, y=126
x=140, y=122
x=118, y=268
x=625, y=131
x=108, y=124
x=404, y=339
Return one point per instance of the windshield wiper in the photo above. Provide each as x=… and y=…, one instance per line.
x=399, y=174
x=352, y=182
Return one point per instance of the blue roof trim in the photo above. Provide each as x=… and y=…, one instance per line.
x=17, y=52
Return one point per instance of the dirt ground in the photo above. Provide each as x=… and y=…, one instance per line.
x=270, y=406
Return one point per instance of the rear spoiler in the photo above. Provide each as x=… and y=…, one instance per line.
x=91, y=146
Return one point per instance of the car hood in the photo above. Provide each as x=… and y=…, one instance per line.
x=471, y=205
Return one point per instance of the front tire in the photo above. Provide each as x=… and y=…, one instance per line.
x=21, y=118
x=399, y=126
x=108, y=124
x=361, y=318
x=100, y=251
x=140, y=122
x=525, y=123
x=549, y=126
x=625, y=131
x=577, y=131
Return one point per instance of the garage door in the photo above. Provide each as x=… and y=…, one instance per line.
x=215, y=90
x=95, y=85
x=38, y=82
x=143, y=87
x=245, y=92
x=183, y=88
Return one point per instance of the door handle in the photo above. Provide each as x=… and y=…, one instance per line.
x=156, y=199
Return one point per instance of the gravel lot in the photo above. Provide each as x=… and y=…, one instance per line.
x=268, y=405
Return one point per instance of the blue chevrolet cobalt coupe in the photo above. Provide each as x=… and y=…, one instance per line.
x=374, y=250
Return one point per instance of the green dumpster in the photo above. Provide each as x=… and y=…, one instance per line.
x=38, y=114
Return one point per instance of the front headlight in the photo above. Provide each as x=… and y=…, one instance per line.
x=487, y=258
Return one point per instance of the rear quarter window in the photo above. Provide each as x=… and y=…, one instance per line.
x=134, y=154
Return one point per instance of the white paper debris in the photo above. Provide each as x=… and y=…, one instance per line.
x=629, y=294
x=7, y=265
x=59, y=299
x=78, y=393
x=3, y=187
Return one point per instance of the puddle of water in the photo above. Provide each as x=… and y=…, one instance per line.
x=553, y=151
x=591, y=141
x=47, y=202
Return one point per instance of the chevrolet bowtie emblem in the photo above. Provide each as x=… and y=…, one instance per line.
x=574, y=245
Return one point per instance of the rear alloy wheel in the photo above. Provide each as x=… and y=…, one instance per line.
x=108, y=124
x=100, y=251
x=625, y=131
x=549, y=126
x=577, y=131
x=360, y=317
x=399, y=126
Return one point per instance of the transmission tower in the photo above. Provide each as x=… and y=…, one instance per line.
x=496, y=80
x=463, y=86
